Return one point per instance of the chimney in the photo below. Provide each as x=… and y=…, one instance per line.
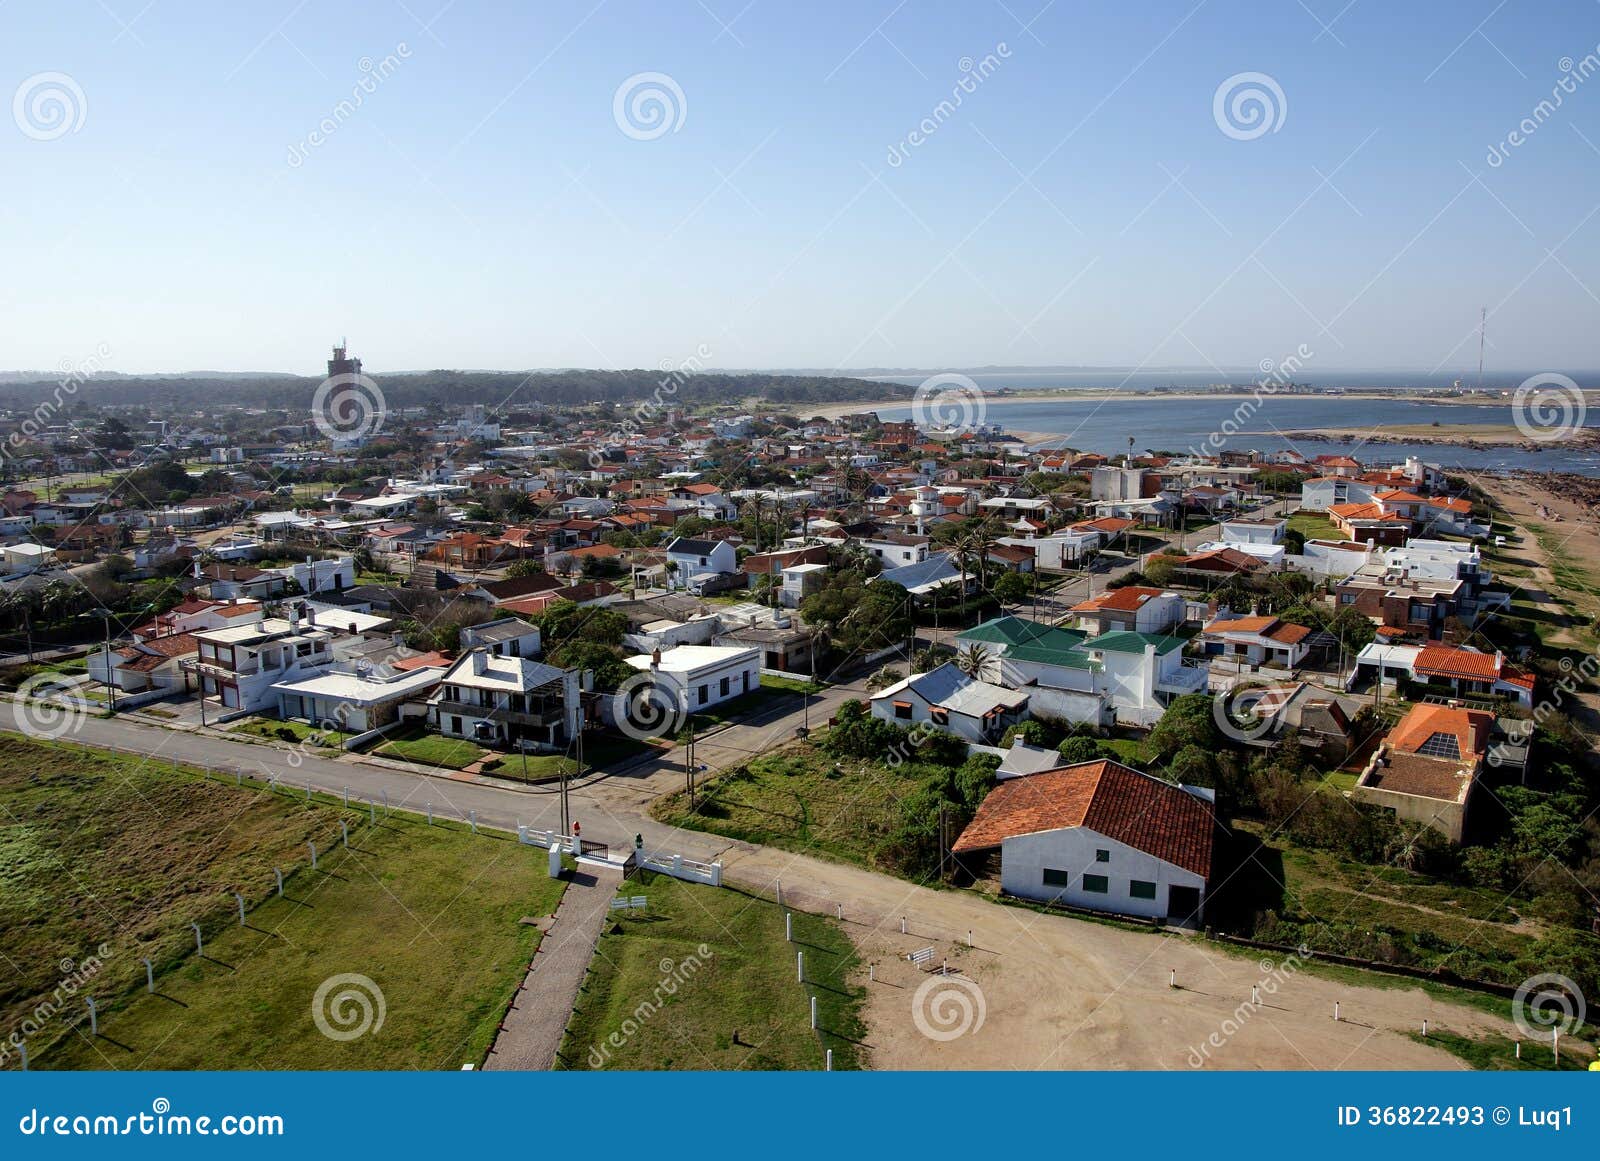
x=480, y=661
x=655, y=659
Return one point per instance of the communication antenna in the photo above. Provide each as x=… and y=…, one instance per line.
x=1483, y=319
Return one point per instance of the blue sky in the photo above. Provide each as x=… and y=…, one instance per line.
x=483, y=208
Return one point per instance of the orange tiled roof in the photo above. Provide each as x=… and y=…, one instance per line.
x=1470, y=728
x=1448, y=661
x=1107, y=797
x=1123, y=600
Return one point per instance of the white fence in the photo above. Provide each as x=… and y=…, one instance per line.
x=681, y=868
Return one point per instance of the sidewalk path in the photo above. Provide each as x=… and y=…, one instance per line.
x=538, y=1017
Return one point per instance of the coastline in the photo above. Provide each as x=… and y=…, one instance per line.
x=1097, y=395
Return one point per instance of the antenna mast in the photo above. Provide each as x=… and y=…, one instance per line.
x=1483, y=319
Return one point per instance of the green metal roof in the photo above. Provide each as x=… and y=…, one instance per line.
x=1127, y=641
x=1014, y=631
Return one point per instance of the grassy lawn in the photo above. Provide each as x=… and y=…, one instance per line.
x=102, y=851
x=704, y=979
x=1499, y=1053
x=415, y=744
x=599, y=752
x=798, y=799
x=1128, y=750
x=292, y=732
x=792, y=684
x=1314, y=526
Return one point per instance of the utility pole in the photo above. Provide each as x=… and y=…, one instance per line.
x=688, y=762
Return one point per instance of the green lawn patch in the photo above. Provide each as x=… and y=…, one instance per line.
x=792, y=684
x=294, y=733
x=109, y=858
x=704, y=979
x=1314, y=526
x=415, y=744
x=800, y=799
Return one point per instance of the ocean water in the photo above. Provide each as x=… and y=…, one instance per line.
x=1159, y=423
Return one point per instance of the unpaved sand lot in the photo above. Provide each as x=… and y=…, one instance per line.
x=1058, y=992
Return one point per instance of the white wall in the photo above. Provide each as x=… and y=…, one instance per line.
x=1024, y=858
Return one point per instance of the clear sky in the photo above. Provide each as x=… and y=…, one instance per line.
x=482, y=207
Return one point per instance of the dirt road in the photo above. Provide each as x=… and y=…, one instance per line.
x=1062, y=993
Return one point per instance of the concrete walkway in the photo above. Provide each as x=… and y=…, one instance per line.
x=533, y=1028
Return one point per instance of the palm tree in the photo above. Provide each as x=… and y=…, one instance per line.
x=976, y=661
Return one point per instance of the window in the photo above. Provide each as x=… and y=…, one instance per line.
x=939, y=716
x=1139, y=889
x=1055, y=878
x=1096, y=884
x=902, y=709
x=1102, y=856
x=724, y=687
x=705, y=694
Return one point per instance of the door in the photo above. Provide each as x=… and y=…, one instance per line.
x=1183, y=904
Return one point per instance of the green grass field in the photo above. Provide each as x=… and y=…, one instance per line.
x=704, y=979
x=1314, y=526
x=801, y=800
x=109, y=857
x=290, y=732
x=415, y=744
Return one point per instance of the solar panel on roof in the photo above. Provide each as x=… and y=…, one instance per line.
x=1441, y=745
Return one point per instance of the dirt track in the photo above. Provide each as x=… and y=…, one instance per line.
x=1063, y=993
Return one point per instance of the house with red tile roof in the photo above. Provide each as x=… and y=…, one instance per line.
x=1096, y=835
x=1257, y=641
x=1427, y=768
x=1136, y=607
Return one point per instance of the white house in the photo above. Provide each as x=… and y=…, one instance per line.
x=1257, y=641
x=25, y=557
x=698, y=677
x=352, y=697
x=1097, y=835
x=1058, y=551
x=695, y=560
x=1117, y=676
x=952, y=701
x=1253, y=530
x=239, y=665
x=500, y=700
x=504, y=637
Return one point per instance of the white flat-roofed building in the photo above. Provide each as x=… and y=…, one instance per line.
x=240, y=664
x=352, y=698
x=701, y=676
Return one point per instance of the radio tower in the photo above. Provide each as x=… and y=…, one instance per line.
x=1483, y=318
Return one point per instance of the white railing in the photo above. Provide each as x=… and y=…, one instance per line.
x=681, y=868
